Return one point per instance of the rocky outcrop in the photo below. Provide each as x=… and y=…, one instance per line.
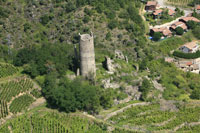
x=109, y=64
x=119, y=55
x=107, y=84
x=133, y=91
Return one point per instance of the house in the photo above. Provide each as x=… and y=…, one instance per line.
x=171, y=12
x=186, y=19
x=165, y=32
x=169, y=59
x=157, y=13
x=191, y=47
x=198, y=8
x=151, y=6
x=178, y=24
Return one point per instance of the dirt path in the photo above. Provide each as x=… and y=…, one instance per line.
x=124, y=108
x=165, y=122
x=166, y=24
x=38, y=102
x=186, y=124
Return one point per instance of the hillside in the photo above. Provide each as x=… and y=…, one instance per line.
x=140, y=84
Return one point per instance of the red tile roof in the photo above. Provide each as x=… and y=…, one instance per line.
x=171, y=12
x=190, y=45
x=156, y=12
x=189, y=63
x=151, y=3
x=190, y=18
x=198, y=7
x=179, y=24
x=163, y=30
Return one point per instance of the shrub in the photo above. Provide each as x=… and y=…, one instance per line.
x=113, y=24
x=196, y=32
x=186, y=55
x=157, y=36
x=44, y=19
x=179, y=31
x=195, y=94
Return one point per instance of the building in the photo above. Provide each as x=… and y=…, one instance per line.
x=87, y=55
x=198, y=8
x=157, y=13
x=171, y=12
x=165, y=31
x=169, y=59
x=186, y=19
x=178, y=24
x=191, y=47
x=151, y=6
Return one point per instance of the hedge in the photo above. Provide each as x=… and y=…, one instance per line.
x=186, y=55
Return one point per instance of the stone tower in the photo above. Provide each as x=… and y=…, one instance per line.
x=87, y=56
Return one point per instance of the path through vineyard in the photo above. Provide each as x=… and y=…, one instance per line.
x=37, y=103
x=124, y=108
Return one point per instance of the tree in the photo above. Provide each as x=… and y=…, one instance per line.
x=157, y=36
x=86, y=19
x=108, y=36
x=195, y=94
x=145, y=88
x=196, y=32
x=70, y=96
x=45, y=19
x=179, y=31
x=191, y=24
x=113, y=24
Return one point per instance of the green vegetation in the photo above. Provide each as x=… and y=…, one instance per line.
x=181, y=3
x=184, y=115
x=7, y=70
x=3, y=108
x=157, y=36
x=12, y=88
x=196, y=32
x=20, y=103
x=44, y=59
x=45, y=120
x=179, y=31
x=186, y=55
x=71, y=96
x=177, y=82
x=190, y=129
x=150, y=117
x=40, y=36
x=145, y=88
x=36, y=93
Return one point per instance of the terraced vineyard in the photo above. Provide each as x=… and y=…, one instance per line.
x=21, y=103
x=151, y=118
x=53, y=122
x=15, y=91
x=10, y=89
x=3, y=109
x=7, y=70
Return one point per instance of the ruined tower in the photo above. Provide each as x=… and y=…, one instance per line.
x=87, y=56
